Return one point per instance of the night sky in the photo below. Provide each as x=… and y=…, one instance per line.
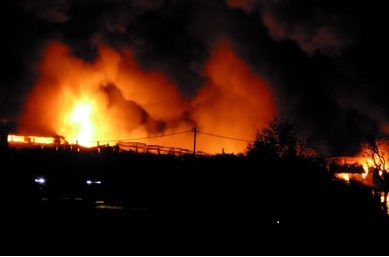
x=325, y=61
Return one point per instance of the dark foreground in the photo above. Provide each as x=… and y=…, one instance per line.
x=150, y=205
x=70, y=231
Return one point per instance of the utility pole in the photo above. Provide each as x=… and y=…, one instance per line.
x=194, y=141
x=194, y=138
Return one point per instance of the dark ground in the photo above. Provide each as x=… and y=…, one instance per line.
x=181, y=206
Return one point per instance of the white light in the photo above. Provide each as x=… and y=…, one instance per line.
x=89, y=182
x=40, y=180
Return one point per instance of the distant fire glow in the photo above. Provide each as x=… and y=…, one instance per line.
x=365, y=160
x=113, y=99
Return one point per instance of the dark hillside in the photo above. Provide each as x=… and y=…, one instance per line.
x=185, y=205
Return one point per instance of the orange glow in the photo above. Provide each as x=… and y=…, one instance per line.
x=113, y=99
x=344, y=176
x=235, y=101
x=364, y=158
x=33, y=139
x=385, y=128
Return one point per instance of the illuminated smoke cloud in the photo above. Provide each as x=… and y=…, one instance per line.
x=332, y=86
x=50, y=11
x=117, y=95
x=321, y=61
x=114, y=99
x=246, y=5
x=315, y=27
x=234, y=101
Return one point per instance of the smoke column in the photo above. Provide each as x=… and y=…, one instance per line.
x=114, y=99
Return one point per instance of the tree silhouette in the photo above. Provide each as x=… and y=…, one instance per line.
x=277, y=140
x=312, y=191
x=380, y=174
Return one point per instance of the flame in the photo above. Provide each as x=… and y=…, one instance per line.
x=365, y=159
x=344, y=176
x=113, y=99
x=84, y=127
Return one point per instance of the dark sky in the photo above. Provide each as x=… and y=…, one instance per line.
x=325, y=59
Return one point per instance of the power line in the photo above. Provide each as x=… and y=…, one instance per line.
x=220, y=136
x=143, y=138
x=172, y=134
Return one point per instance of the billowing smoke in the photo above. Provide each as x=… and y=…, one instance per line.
x=150, y=68
x=113, y=99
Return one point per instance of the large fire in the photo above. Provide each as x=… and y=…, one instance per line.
x=365, y=160
x=370, y=159
x=114, y=99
